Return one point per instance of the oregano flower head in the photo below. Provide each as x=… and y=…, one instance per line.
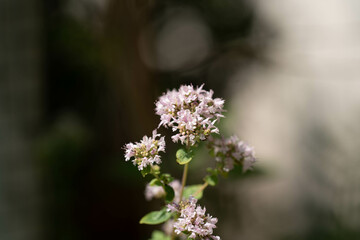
x=230, y=151
x=193, y=220
x=190, y=112
x=146, y=152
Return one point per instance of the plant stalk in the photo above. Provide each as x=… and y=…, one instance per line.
x=183, y=182
x=201, y=189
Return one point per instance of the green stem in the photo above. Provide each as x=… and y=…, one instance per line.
x=183, y=182
x=201, y=189
x=154, y=174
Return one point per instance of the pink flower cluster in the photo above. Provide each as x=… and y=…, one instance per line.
x=190, y=112
x=146, y=152
x=158, y=191
x=193, y=220
x=230, y=151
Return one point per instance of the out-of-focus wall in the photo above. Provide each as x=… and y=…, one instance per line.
x=301, y=112
x=20, y=94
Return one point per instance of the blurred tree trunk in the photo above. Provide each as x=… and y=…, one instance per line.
x=19, y=116
x=128, y=74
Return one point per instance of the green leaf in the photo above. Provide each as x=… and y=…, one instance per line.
x=183, y=156
x=158, y=235
x=170, y=194
x=155, y=182
x=212, y=180
x=145, y=171
x=191, y=190
x=156, y=217
x=212, y=171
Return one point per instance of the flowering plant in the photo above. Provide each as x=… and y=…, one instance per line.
x=191, y=113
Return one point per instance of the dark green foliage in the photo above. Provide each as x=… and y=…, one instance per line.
x=156, y=217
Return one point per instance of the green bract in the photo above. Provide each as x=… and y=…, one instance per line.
x=155, y=170
x=155, y=182
x=156, y=217
x=183, y=156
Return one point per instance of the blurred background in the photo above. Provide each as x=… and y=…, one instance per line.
x=79, y=78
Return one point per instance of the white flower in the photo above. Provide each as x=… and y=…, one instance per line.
x=230, y=151
x=190, y=112
x=146, y=152
x=193, y=219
